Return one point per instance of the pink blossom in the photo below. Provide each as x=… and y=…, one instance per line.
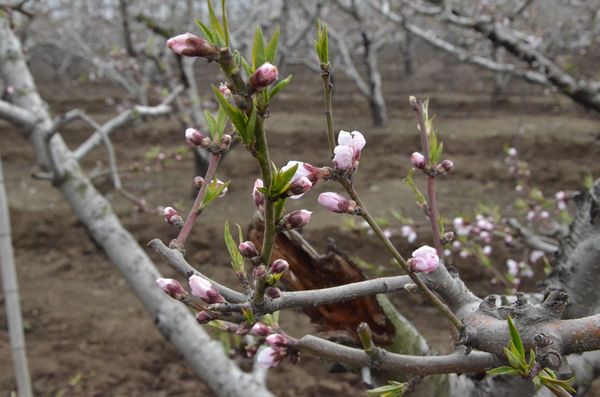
x=204, y=290
x=487, y=250
x=297, y=219
x=279, y=266
x=343, y=158
x=512, y=152
x=264, y=76
x=225, y=91
x=513, y=267
x=336, y=202
x=171, y=287
x=260, y=329
x=425, y=259
x=194, y=137
x=257, y=196
x=409, y=233
x=190, y=45
x=270, y=357
x=354, y=139
x=461, y=228
x=536, y=255
x=418, y=160
x=277, y=340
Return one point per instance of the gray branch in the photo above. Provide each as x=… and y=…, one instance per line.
x=533, y=240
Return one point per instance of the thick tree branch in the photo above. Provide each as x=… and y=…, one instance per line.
x=533, y=240
x=16, y=115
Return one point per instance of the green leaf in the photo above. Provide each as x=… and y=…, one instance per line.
x=237, y=117
x=208, y=35
x=248, y=136
x=215, y=25
x=247, y=67
x=279, y=86
x=513, y=359
x=503, y=370
x=258, y=49
x=271, y=50
x=516, y=338
x=322, y=43
x=237, y=260
x=410, y=182
x=213, y=191
x=225, y=23
x=393, y=389
x=221, y=121
x=282, y=180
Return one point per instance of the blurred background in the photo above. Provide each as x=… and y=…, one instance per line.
x=499, y=74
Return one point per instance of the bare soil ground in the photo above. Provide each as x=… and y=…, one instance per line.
x=86, y=333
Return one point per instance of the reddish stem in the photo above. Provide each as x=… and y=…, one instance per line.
x=195, y=211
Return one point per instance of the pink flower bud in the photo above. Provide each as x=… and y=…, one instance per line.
x=203, y=317
x=512, y=152
x=297, y=219
x=225, y=142
x=270, y=357
x=171, y=287
x=190, y=45
x=424, y=260
x=204, y=290
x=279, y=266
x=277, y=340
x=260, y=329
x=273, y=292
x=418, y=160
x=194, y=137
x=198, y=181
x=445, y=167
x=536, y=255
x=242, y=329
x=299, y=187
x=172, y=217
x=343, y=157
x=259, y=198
x=250, y=350
x=336, y=202
x=259, y=271
x=248, y=249
x=225, y=91
x=354, y=139
x=408, y=232
x=264, y=76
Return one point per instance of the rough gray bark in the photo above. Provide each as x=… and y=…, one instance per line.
x=577, y=266
x=12, y=301
x=173, y=320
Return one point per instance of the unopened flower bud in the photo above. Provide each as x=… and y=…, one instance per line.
x=273, y=292
x=259, y=198
x=277, y=340
x=251, y=350
x=172, y=217
x=190, y=45
x=446, y=166
x=413, y=102
x=279, y=266
x=336, y=202
x=424, y=260
x=343, y=157
x=248, y=249
x=225, y=91
x=264, y=76
x=259, y=271
x=204, y=290
x=171, y=287
x=225, y=142
x=418, y=160
x=203, y=317
x=260, y=329
x=447, y=237
x=297, y=219
x=270, y=357
x=299, y=187
x=198, y=181
x=194, y=137
x=242, y=329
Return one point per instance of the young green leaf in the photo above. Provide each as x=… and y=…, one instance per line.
x=258, y=49
x=213, y=191
x=278, y=87
x=503, y=370
x=237, y=260
x=271, y=50
x=515, y=339
x=237, y=117
x=215, y=25
x=208, y=35
x=225, y=22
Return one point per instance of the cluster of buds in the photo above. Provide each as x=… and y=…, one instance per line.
x=337, y=203
x=420, y=162
x=424, y=260
x=172, y=217
x=273, y=355
x=205, y=290
x=190, y=45
x=196, y=138
x=346, y=154
x=264, y=76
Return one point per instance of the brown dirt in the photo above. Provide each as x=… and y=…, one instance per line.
x=88, y=336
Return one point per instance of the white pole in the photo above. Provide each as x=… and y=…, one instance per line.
x=11, y=297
